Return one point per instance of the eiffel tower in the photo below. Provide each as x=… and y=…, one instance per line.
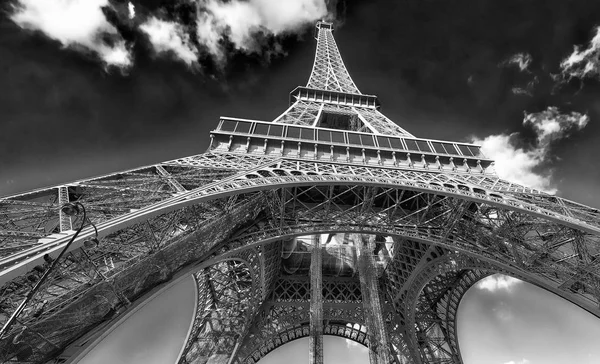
x=329, y=220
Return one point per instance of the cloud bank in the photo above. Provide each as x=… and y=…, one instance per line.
x=522, y=165
x=583, y=63
x=79, y=24
x=214, y=26
x=241, y=20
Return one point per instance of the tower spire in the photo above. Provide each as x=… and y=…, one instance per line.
x=328, y=72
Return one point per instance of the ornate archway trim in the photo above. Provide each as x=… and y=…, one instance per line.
x=302, y=331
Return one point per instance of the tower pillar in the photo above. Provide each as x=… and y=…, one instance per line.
x=369, y=287
x=316, y=303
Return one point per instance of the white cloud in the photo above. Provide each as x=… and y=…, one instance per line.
x=521, y=60
x=131, y=10
x=497, y=281
x=82, y=25
x=512, y=163
x=522, y=361
x=583, y=63
x=75, y=23
x=520, y=165
x=241, y=20
x=168, y=36
x=551, y=125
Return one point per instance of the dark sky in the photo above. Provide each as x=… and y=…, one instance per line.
x=63, y=116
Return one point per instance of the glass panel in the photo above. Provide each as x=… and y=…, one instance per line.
x=423, y=147
x=383, y=142
x=337, y=137
x=293, y=132
x=275, y=130
x=367, y=140
x=228, y=125
x=324, y=135
x=262, y=129
x=307, y=134
x=243, y=127
x=464, y=150
x=476, y=151
x=396, y=143
x=450, y=148
x=411, y=144
x=353, y=138
x=439, y=148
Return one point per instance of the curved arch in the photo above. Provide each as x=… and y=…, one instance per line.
x=430, y=303
x=237, y=184
x=436, y=291
x=224, y=299
x=341, y=329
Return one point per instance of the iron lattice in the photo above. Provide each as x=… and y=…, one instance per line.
x=330, y=220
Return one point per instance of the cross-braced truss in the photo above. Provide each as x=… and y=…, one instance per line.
x=329, y=72
x=330, y=221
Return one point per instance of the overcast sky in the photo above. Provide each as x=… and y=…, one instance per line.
x=520, y=77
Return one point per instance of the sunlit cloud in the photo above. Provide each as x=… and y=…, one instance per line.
x=131, y=10
x=79, y=24
x=215, y=28
x=583, y=63
x=521, y=60
x=240, y=21
x=520, y=165
x=497, y=282
x=170, y=37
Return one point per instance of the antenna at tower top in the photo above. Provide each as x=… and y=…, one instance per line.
x=322, y=24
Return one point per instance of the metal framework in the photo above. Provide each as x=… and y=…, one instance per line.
x=330, y=220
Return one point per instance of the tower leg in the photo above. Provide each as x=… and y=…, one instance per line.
x=378, y=343
x=316, y=304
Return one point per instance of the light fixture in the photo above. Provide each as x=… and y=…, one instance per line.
x=71, y=209
x=91, y=243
